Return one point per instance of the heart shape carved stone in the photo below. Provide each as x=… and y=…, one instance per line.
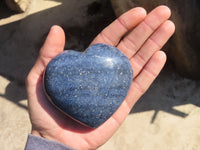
x=89, y=86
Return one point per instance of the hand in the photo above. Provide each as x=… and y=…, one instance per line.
x=140, y=37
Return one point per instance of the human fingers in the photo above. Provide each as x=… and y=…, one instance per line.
x=139, y=86
x=154, y=43
x=53, y=45
x=112, y=34
x=136, y=38
x=145, y=78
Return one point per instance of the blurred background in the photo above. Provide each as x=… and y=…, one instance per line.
x=166, y=117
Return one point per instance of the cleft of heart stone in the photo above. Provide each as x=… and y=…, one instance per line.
x=89, y=86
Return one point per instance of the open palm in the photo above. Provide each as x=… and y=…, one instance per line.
x=140, y=37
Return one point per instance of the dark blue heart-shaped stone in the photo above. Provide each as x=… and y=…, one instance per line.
x=89, y=86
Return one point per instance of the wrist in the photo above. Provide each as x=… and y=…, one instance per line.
x=36, y=133
x=39, y=143
x=46, y=135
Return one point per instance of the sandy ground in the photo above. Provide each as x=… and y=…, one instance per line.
x=167, y=117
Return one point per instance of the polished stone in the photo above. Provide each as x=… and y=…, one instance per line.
x=89, y=86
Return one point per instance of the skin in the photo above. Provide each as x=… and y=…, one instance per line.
x=140, y=37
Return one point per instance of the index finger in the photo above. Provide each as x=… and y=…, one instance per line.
x=112, y=34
